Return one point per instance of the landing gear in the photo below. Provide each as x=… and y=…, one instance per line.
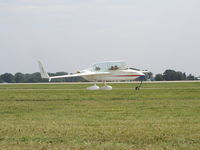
x=106, y=87
x=95, y=87
x=138, y=87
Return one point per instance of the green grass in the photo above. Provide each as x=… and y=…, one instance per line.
x=161, y=116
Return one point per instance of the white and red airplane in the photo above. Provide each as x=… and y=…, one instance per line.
x=102, y=71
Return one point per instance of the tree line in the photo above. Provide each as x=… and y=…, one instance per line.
x=172, y=75
x=35, y=77
x=168, y=75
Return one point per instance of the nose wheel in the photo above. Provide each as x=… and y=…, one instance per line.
x=138, y=87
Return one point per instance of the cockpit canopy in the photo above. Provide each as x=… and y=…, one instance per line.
x=109, y=66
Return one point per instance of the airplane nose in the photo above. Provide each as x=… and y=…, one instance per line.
x=142, y=75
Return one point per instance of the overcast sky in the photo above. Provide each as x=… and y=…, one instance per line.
x=70, y=35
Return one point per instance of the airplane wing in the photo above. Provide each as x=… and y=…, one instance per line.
x=45, y=75
x=80, y=74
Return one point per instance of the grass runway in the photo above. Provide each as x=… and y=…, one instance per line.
x=160, y=116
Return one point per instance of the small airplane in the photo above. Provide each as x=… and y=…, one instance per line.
x=102, y=71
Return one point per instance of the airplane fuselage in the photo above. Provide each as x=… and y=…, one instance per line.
x=118, y=75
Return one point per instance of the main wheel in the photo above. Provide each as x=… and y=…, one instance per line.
x=137, y=88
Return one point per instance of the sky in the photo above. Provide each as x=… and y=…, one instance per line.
x=71, y=35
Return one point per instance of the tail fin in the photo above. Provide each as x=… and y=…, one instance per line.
x=43, y=73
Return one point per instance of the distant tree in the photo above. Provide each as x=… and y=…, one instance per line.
x=159, y=77
x=184, y=76
x=170, y=75
x=7, y=77
x=1, y=81
x=19, y=77
x=191, y=77
x=180, y=76
x=34, y=77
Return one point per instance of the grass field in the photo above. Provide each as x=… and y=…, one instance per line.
x=161, y=116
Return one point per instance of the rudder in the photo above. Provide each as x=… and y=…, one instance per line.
x=43, y=73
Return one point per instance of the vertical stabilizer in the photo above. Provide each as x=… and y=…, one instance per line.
x=43, y=73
